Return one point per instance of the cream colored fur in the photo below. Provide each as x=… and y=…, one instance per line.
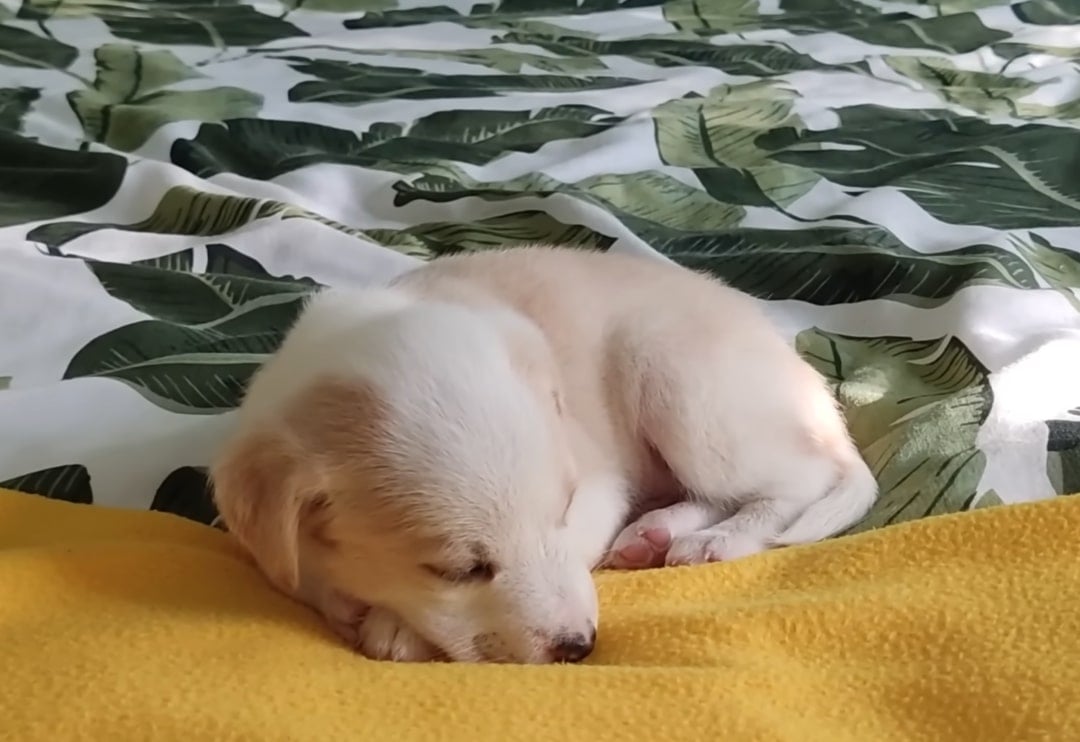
x=438, y=464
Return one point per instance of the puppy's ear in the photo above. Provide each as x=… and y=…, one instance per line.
x=262, y=495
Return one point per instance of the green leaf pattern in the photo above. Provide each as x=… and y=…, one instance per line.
x=899, y=182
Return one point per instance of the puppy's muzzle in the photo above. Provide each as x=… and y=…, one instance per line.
x=573, y=647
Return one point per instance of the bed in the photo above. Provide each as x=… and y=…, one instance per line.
x=898, y=181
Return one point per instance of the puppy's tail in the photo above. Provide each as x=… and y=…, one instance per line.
x=848, y=501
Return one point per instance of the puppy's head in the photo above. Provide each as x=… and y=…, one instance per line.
x=427, y=474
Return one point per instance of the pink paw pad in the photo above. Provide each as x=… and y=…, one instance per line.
x=658, y=537
x=640, y=549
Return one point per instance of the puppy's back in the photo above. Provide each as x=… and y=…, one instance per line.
x=581, y=296
x=604, y=314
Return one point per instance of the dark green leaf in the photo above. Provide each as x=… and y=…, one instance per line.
x=953, y=33
x=1063, y=456
x=265, y=149
x=225, y=260
x=70, y=483
x=829, y=265
x=39, y=182
x=208, y=332
x=1058, y=266
x=1012, y=50
x=354, y=83
x=183, y=369
x=914, y=408
x=410, y=17
x=127, y=126
x=218, y=23
x=14, y=104
x=988, y=499
x=182, y=210
x=125, y=72
x=127, y=104
x=186, y=492
x=716, y=135
x=1025, y=174
x=505, y=14
x=987, y=93
x=340, y=6
x=642, y=201
x=177, y=297
x=1048, y=12
x=532, y=8
x=521, y=227
x=182, y=261
x=234, y=282
x=490, y=134
x=754, y=60
x=188, y=298
x=21, y=48
x=712, y=18
x=506, y=59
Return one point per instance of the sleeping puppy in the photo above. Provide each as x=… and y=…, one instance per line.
x=438, y=464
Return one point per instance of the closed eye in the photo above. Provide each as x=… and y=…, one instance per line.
x=477, y=572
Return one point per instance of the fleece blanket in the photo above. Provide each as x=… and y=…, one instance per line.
x=898, y=180
x=122, y=625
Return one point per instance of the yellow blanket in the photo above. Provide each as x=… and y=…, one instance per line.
x=139, y=626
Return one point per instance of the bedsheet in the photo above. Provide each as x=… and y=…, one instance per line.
x=898, y=181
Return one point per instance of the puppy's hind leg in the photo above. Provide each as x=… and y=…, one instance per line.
x=770, y=500
x=759, y=437
x=749, y=531
x=782, y=520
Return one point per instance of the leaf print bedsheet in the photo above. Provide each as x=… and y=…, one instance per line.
x=899, y=180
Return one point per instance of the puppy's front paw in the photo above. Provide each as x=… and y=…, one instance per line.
x=344, y=616
x=716, y=544
x=383, y=636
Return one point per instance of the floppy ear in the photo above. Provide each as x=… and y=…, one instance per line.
x=262, y=495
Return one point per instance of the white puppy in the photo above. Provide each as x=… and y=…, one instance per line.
x=438, y=464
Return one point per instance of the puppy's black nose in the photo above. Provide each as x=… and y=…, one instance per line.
x=573, y=647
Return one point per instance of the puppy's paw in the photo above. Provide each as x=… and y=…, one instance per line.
x=344, y=616
x=716, y=544
x=383, y=636
x=641, y=545
x=347, y=631
x=645, y=542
